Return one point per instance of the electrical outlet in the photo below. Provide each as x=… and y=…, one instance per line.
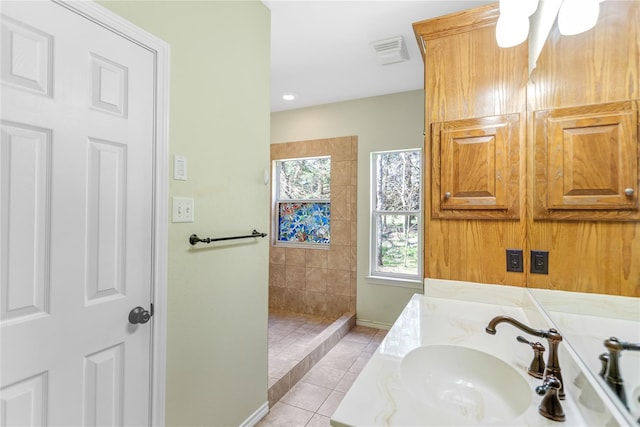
x=514, y=260
x=182, y=209
x=540, y=262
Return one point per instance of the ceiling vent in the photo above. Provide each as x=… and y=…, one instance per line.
x=390, y=51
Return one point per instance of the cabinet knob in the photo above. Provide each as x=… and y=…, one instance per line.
x=629, y=191
x=447, y=195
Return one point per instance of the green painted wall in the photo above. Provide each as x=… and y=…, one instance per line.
x=219, y=120
x=389, y=122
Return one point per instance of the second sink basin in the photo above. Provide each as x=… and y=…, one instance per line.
x=463, y=385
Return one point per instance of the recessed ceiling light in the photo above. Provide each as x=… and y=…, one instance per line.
x=288, y=97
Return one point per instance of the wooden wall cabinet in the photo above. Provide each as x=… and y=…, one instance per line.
x=547, y=161
x=587, y=162
x=475, y=169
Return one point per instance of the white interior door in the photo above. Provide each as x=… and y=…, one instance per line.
x=76, y=220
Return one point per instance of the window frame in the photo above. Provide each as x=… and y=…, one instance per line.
x=275, y=225
x=390, y=278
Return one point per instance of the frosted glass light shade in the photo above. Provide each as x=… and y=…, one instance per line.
x=513, y=24
x=511, y=30
x=577, y=16
x=528, y=6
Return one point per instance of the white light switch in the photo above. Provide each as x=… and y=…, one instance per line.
x=179, y=168
x=182, y=209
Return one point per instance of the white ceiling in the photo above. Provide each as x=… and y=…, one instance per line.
x=320, y=49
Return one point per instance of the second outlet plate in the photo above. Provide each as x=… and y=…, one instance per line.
x=540, y=262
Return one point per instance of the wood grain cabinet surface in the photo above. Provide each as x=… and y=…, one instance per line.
x=587, y=162
x=475, y=167
x=547, y=161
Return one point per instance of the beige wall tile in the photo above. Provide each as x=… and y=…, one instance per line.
x=337, y=305
x=353, y=232
x=295, y=256
x=339, y=202
x=316, y=279
x=339, y=258
x=277, y=275
x=277, y=298
x=353, y=284
x=341, y=173
x=341, y=149
x=353, y=256
x=354, y=147
x=295, y=277
x=315, y=303
x=354, y=173
x=293, y=300
x=339, y=282
x=340, y=232
x=316, y=258
x=276, y=255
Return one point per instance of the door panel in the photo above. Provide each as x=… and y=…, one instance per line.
x=76, y=219
x=475, y=168
x=587, y=162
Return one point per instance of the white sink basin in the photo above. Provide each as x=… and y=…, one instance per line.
x=463, y=385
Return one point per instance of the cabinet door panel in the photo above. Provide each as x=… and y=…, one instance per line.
x=587, y=162
x=473, y=167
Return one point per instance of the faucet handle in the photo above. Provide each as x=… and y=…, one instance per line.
x=550, y=406
x=537, y=366
x=604, y=360
x=612, y=375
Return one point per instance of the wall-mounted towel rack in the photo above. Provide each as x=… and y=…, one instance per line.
x=193, y=239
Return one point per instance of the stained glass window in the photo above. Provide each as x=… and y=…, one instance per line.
x=306, y=222
x=303, y=207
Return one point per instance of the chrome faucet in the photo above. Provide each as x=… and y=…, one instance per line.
x=552, y=336
x=610, y=367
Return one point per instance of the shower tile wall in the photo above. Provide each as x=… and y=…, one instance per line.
x=321, y=282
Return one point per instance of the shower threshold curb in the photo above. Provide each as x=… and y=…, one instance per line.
x=316, y=350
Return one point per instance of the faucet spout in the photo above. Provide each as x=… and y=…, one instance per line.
x=491, y=327
x=552, y=336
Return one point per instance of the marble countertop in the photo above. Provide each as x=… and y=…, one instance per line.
x=456, y=313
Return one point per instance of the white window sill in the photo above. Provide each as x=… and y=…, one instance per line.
x=397, y=282
x=322, y=246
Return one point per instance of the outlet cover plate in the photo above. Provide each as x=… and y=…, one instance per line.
x=540, y=262
x=514, y=260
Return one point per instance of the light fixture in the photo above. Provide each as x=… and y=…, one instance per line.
x=574, y=17
x=511, y=30
x=577, y=16
x=513, y=23
x=289, y=96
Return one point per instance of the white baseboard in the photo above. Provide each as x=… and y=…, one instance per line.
x=259, y=414
x=373, y=324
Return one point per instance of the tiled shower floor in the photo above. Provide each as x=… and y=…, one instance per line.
x=313, y=399
x=289, y=335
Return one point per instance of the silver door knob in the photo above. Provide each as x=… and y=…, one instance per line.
x=139, y=315
x=629, y=191
x=447, y=195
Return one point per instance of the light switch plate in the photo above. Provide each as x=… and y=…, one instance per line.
x=179, y=168
x=182, y=209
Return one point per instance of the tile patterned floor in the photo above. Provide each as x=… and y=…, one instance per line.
x=289, y=333
x=312, y=401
